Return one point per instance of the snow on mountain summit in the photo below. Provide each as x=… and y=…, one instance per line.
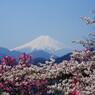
x=42, y=43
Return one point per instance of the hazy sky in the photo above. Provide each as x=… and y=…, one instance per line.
x=23, y=20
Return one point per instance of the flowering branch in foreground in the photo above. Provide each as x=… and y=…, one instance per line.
x=73, y=77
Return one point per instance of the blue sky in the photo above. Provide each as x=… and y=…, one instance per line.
x=23, y=20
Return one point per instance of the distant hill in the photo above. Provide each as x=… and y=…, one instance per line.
x=15, y=54
x=39, y=60
x=65, y=57
x=41, y=54
x=57, y=60
x=6, y=52
x=38, y=55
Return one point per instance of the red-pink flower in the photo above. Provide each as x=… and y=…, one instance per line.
x=8, y=89
x=75, y=93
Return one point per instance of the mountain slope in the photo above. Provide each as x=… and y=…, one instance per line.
x=42, y=43
x=65, y=57
x=6, y=52
x=42, y=54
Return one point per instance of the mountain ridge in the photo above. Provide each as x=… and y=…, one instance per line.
x=45, y=43
x=15, y=54
x=40, y=58
x=42, y=54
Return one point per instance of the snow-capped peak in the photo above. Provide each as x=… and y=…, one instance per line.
x=42, y=43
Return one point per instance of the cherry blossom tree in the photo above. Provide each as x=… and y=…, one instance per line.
x=89, y=42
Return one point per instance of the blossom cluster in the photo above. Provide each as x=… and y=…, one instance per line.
x=88, y=19
x=13, y=78
x=73, y=77
x=89, y=42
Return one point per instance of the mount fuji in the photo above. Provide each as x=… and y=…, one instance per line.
x=45, y=43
